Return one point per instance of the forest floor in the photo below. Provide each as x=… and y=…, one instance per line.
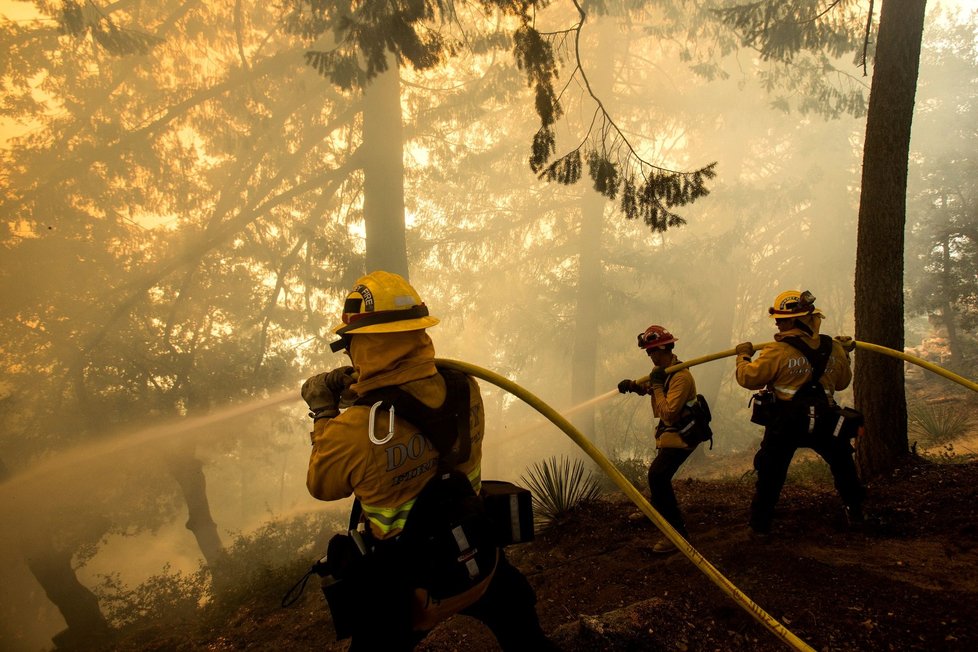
x=906, y=579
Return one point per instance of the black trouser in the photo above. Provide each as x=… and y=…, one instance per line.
x=667, y=461
x=781, y=439
x=507, y=608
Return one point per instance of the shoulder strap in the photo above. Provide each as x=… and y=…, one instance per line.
x=444, y=426
x=665, y=385
x=817, y=358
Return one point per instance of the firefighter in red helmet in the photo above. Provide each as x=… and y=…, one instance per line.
x=671, y=397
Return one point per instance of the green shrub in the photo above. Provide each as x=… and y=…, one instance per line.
x=559, y=487
x=254, y=564
x=936, y=425
x=170, y=598
x=635, y=470
x=259, y=566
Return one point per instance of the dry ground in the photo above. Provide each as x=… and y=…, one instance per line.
x=907, y=580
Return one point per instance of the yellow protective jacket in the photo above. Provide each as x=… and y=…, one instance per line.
x=387, y=478
x=784, y=369
x=668, y=406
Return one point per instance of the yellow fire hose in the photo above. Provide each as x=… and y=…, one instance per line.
x=691, y=553
x=866, y=346
x=929, y=366
x=694, y=556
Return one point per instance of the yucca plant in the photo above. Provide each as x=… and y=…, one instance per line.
x=937, y=424
x=558, y=487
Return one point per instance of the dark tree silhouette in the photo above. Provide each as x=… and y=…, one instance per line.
x=781, y=29
x=879, y=380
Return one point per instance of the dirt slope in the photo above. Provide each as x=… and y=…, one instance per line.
x=907, y=580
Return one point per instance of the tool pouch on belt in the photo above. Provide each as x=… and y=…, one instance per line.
x=341, y=574
x=510, y=508
x=842, y=422
x=345, y=556
x=762, y=406
x=694, y=426
x=449, y=537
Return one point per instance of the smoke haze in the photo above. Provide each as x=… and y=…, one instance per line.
x=183, y=219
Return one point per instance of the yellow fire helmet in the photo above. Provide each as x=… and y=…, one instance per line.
x=383, y=302
x=792, y=303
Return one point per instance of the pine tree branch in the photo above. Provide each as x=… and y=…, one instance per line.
x=869, y=27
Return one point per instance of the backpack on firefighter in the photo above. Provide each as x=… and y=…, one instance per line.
x=810, y=406
x=693, y=425
x=449, y=546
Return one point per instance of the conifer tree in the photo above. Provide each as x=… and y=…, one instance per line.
x=780, y=30
x=359, y=36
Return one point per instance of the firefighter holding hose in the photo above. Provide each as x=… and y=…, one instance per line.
x=800, y=371
x=678, y=431
x=405, y=438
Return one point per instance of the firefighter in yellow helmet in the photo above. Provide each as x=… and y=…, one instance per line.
x=789, y=368
x=405, y=585
x=671, y=396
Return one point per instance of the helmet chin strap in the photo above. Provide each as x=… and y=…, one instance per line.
x=340, y=344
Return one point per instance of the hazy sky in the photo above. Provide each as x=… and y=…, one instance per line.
x=235, y=507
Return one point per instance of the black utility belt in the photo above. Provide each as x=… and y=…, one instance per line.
x=832, y=420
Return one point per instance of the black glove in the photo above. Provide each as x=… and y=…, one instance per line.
x=323, y=403
x=338, y=381
x=630, y=386
x=658, y=376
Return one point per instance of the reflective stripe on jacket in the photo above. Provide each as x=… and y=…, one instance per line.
x=784, y=369
x=387, y=477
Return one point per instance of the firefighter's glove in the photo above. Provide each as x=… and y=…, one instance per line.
x=630, y=386
x=744, y=349
x=848, y=344
x=323, y=404
x=338, y=381
x=658, y=376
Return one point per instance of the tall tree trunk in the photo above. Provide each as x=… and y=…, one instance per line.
x=78, y=606
x=588, y=309
x=51, y=567
x=188, y=471
x=383, y=174
x=947, y=309
x=879, y=380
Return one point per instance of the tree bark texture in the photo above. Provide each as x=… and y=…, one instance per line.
x=383, y=174
x=879, y=380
